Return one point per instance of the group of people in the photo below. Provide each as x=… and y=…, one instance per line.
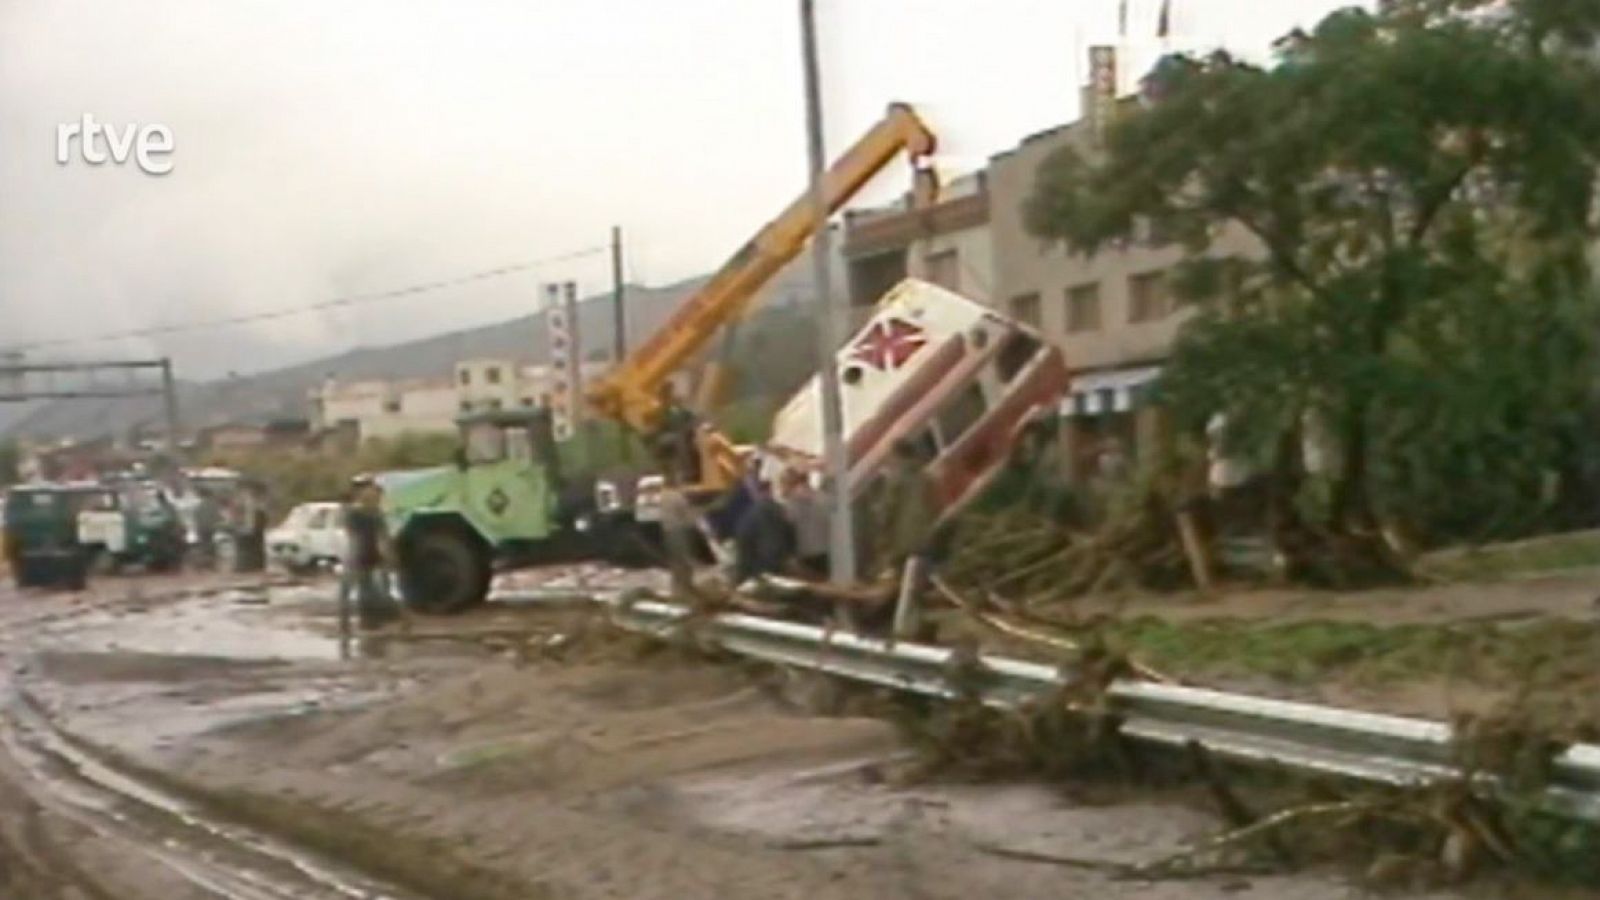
x=242, y=515
x=780, y=526
x=783, y=530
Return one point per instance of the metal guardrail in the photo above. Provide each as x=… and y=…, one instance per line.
x=1305, y=737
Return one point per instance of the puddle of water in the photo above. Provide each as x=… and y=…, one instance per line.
x=212, y=626
x=840, y=804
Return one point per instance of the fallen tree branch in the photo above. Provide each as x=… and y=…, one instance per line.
x=1007, y=627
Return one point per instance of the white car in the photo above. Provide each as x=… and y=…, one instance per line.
x=310, y=537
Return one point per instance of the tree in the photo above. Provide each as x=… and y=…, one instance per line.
x=10, y=462
x=1419, y=184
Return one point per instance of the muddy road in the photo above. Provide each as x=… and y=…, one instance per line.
x=220, y=744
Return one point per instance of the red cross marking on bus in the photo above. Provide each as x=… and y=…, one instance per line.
x=888, y=344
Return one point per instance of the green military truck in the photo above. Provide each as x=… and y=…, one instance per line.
x=41, y=533
x=132, y=521
x=502, y=504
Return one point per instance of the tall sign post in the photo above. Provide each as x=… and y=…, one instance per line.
x=1102, y=89
x=563, y=339
x=581, y=424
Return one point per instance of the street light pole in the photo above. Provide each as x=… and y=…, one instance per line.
x=841, y=529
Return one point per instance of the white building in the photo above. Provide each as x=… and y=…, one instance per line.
x=384, y=409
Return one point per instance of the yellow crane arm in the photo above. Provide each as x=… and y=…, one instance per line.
x=631, y=391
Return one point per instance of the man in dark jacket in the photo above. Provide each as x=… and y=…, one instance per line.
x=366, y=552
x=676, y=450
x=764, y=542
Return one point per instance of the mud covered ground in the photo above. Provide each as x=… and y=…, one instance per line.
x=517, y=752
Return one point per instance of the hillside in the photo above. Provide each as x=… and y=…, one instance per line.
x=282, y=392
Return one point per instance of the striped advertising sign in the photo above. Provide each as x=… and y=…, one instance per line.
x=561, y=311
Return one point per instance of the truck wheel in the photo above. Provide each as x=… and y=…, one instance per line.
x=75, y=574
x=442, y=572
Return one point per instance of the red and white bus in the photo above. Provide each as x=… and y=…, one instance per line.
x=930, y=366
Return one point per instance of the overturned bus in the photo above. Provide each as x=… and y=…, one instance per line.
x=952, y=376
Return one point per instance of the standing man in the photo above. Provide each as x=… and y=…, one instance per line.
x=677, y=537
x=250, y=542
x=542, y=434
x=674, y=440
x=908, y=511
x=764, y=543
x=207, y=519
x=367, y=550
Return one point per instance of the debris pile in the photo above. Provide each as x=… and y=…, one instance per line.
x=1021, y=554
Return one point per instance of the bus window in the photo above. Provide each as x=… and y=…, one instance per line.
x=960, y=413
x=1018, y=350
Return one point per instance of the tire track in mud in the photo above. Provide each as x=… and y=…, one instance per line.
x=64, y=808
x=46, y=774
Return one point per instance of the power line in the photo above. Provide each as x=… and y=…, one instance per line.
x=335, y=303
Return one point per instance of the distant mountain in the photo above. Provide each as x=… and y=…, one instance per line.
x=281, y=393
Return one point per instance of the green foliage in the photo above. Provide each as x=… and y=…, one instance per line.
x=599, y=447
x=1533, y=556
x=774, y=353
x=1417, y=189
x=1552, y=654
x=300, y=477
x=10, y=461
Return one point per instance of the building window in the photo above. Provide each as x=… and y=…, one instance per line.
x=466, y=406
x=392, y=405
x=527, y=401
x=494, y=404
x=492, y=374
x=944, y=269
x=466, y=376
x=1147, y=297
x=1083, y=307
x=1025, y=309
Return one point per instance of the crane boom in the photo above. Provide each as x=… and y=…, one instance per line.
x=630, y=392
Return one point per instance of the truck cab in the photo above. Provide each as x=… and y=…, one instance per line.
x=502, y=503
x=130, y=521
x=41, y=533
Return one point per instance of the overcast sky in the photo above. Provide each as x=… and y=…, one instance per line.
x=329, y=148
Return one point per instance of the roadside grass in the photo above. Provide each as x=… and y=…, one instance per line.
x=1300, y=652
x=1492, y=562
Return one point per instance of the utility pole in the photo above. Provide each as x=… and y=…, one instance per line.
x=169, y=402
x=619, y=312
x=842, y=548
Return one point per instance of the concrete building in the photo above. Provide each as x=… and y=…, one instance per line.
x=947, y=243
x=486, y=384
x=383, y=409
x=1112, y=312
x=491, y=384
